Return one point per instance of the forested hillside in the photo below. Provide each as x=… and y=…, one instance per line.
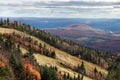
x=21, y=44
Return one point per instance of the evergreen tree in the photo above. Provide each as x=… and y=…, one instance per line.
x=8, y=43
x=1, y=22
x=95, y=70
x=17, y=65
x=64, y=76
x=74, y=76
x=30, y=50
x=114, y=70
x=8, y=21
x=48, y=74
x=79, y=77
x=40, y=45
x=68, y=76
x=15, y=24
x=5, y=22
x=95, y=73
x=82, y=70
x=53, y=55
x=18, y=47
x=1, y=38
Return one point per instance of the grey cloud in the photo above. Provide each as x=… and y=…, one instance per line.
x=58, y=3
x=14, y=5
x=76, y=3
x=64, y=8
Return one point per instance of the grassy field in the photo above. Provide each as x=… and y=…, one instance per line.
x=62, y=57
x=43, y=60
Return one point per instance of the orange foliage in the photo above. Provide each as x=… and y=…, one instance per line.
x=2, y=64
x=29, y=67
x=25, y=60
x=3, y=61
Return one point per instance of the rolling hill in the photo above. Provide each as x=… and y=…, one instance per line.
x=89, y=36
x=62, y=57
x=28, y=53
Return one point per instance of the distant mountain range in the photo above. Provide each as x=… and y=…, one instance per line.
x=90, y=36
x=100, y=33
x=43, y=23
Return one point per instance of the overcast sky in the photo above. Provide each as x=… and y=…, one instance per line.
x=60, y=8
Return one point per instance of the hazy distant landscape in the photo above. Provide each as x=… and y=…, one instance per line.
x=43, y=23
x=103, y=34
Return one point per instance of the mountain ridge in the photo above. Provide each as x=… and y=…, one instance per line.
x=89, y=36
x=22, y=44
x=59, y=52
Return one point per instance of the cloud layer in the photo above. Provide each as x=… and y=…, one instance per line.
x=61, y=8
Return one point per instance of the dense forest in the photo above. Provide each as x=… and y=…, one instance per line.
x=26, y=67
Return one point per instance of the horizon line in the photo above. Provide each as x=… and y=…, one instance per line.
x=58, y=17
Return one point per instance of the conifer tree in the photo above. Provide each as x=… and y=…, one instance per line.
x=1, y=22
x=78, y=77
x=8, y=21
x=82, y=70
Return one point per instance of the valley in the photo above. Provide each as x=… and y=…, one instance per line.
x=89, y=36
